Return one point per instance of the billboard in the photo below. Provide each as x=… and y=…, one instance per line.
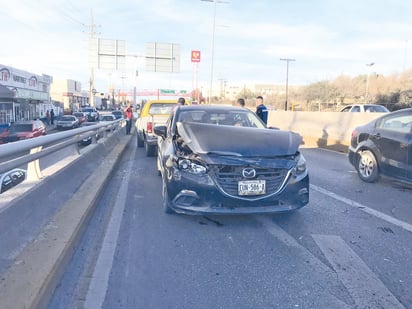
x=162, y=57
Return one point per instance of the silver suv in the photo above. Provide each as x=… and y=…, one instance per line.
x=91, y=112
x=361, y=108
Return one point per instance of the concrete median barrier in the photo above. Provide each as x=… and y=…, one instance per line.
x=31, y=279
x=330, y=130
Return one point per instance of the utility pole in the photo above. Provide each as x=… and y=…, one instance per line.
x=287, y=77
x=92, y=32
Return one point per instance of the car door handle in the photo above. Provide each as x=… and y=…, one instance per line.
x=404, y=146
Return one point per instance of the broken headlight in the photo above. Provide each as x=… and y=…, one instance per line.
x=300, y=167
x=191, y=166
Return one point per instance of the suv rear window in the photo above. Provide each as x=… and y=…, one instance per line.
x=161, y=108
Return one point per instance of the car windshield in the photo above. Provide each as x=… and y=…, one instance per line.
x=67, y=118
x=107, y=118
x=376, y=109
x=229, y=118
x=21, y=127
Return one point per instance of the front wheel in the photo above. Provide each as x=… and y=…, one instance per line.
x=367, y=167
x=150, y=149
x=166, y=199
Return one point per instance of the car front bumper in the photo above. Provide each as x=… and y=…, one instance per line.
x=191, y=196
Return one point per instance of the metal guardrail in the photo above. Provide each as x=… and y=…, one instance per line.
x=15, y=154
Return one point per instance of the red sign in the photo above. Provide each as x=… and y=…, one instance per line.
x=195, y=55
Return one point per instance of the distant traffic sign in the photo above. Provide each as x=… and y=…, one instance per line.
x=195, y=55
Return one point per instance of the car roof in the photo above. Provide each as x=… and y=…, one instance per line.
x=222, y=108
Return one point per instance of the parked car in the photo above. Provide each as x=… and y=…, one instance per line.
x=383, y=147
x=154, y=112
x=81, y=116
x=21, y=130
x=91, y=112
x=4, y=132
x=371, y=108
x=223, y=160
x=88, y=140
x=107, y=117
x=67, y=122
x=118, y=114
x=11, y=179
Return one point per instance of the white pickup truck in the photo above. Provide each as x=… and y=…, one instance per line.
x=153, y=113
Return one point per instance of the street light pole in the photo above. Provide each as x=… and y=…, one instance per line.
x=213, y=46
x=287, y=77
x=367, y=81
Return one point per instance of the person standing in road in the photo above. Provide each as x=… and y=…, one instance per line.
x=261, y=109
x=129, y=117
x=181, y=101
x=52, y=116
x=240, y=102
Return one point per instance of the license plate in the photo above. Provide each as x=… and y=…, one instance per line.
x=251, y=187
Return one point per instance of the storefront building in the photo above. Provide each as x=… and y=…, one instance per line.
x=23, y=95
x=70, y=93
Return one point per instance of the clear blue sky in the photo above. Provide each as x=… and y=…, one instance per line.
x=327, y=38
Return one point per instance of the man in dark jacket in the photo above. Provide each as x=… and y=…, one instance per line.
x=261, y=109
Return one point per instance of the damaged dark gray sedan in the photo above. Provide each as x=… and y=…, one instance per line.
x=223, y=160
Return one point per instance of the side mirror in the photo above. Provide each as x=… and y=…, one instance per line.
x=160, y=131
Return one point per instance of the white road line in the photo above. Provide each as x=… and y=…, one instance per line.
x=362, y=284
x=364, y=208
x=311, y=260
x=100, y=278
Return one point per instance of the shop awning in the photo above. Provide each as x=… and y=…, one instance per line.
x=6, y=93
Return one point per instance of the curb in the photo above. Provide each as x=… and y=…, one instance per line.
x=31, y=280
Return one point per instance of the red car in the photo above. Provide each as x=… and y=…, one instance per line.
x=25, y=129
x=4, y=132
x=81, y=116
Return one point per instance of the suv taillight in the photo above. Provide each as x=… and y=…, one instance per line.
x=354, y=134
x=149, y=127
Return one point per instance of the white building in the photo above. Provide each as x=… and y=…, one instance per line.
x=23, y=95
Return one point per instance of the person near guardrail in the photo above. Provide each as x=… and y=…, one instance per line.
x=47, y=117
x=52, y=116
x=129, y=117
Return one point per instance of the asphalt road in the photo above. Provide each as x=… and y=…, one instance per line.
x=351, y=247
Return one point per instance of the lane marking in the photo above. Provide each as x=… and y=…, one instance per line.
x=99, y=283
x=362, y=284
x=366, y=209
x=310, y=259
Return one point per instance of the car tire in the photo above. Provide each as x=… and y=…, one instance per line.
x=158, y=166
x=367, y=166
x=140, y=141
x=150, y=149
x=166, y=199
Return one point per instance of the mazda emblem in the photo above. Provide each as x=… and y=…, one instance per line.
x=249, y=172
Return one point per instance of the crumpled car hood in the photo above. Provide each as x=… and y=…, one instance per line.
x=206, y=139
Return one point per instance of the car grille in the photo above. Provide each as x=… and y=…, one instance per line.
x=227, y=178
